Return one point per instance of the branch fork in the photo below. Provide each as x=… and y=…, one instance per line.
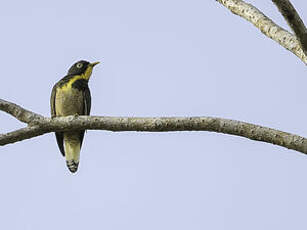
x=39, y=125
x=297, y=44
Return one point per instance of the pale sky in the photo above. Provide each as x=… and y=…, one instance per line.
x=158, y=58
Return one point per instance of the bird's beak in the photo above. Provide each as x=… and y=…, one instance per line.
x=94, y=63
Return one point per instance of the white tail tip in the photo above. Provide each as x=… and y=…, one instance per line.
x=72, y=166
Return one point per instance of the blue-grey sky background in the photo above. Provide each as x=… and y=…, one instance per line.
x=159, y=58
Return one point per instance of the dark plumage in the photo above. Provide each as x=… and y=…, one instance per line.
x=71, y=96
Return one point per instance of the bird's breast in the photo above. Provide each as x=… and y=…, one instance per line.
x=68, y=101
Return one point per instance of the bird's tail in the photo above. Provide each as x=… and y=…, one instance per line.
x=72, y=151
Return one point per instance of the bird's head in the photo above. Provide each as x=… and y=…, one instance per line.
x=83, y=68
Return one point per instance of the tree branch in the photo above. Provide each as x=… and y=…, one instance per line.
x=266, y=26
x=40, y=125
x=18, y=112
x=21, y=134
x=294, y=21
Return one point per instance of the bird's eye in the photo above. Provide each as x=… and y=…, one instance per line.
x=79, y=65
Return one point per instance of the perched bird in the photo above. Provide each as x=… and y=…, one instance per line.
x=71, y=96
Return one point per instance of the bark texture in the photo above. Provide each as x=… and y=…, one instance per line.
x=38, y=125
x=294, y=21
x=266, y=26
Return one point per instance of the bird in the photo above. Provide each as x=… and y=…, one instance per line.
x=71, y=96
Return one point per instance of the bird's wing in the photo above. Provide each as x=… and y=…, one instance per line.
x=87, y=101
x=58, y=135
x=86, y=108
x=52, y=101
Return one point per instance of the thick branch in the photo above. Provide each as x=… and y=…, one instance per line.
x=294, y=21
x=40, y=125
x=266, y=26
x=21, y=134
x=18, y=112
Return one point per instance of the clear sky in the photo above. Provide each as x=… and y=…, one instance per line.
x=159, y=58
